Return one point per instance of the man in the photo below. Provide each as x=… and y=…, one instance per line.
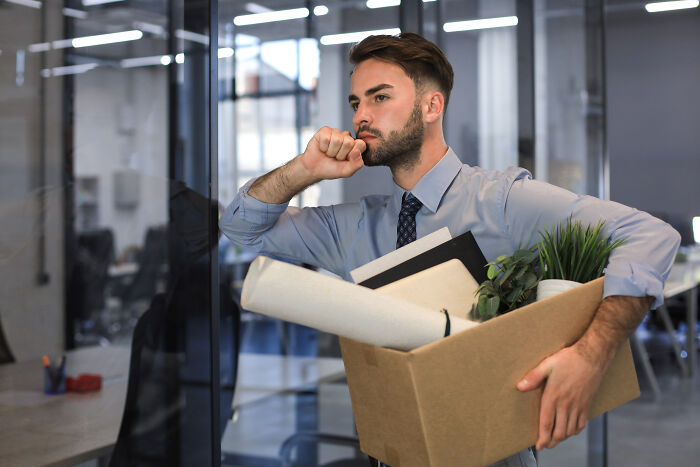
x=399, y=93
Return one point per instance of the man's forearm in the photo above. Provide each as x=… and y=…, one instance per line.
x=282, y=184
x=615, y=320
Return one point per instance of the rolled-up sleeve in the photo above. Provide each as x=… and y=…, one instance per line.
x=308, y=235
x=637, y=268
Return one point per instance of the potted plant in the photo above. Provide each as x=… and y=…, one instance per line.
x=571, y=254
x=512, y=283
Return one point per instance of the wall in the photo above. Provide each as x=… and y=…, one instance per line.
x=31, y=313
x=124, y=129
x=653, y=71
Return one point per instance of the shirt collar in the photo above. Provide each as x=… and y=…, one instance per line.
x=432, y=186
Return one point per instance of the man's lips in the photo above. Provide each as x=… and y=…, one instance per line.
x=365, y=136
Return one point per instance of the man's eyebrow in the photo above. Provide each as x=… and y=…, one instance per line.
x=370, y=91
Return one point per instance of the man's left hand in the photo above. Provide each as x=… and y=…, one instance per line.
x=570, y=380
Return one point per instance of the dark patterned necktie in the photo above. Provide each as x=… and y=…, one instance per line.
x=406, y=228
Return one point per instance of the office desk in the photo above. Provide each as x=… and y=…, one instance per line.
x=37, y=429
x=62, y=430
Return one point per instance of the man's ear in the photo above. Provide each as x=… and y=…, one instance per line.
x=433, y=105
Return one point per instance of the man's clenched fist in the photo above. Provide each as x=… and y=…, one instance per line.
x=332, y=153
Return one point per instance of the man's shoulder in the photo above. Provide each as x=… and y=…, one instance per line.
x=477, y=176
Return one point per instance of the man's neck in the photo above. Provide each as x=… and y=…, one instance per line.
x=430, y=154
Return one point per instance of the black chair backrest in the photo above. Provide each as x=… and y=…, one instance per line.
x=163, y=424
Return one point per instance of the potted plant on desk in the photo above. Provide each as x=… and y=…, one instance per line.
x=572, y=254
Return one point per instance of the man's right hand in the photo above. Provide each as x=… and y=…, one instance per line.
x=332, y=153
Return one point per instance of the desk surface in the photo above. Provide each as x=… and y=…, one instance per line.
x=37, y=429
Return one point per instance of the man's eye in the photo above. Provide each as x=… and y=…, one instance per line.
x=353, y=106
x=381, y=97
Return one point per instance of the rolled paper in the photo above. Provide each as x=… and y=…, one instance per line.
x=309, y=298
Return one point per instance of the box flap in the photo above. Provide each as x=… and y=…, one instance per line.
x=384, y=403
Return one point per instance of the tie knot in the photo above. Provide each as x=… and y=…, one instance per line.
x=410, y=206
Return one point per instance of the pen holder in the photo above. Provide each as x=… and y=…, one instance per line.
x=54, y=380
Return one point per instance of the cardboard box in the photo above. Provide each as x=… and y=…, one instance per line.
x=454, y=403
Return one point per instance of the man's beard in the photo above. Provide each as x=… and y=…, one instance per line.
x=401, y=149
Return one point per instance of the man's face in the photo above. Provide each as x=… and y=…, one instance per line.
x=387, y=117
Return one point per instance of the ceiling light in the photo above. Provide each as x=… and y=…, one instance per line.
x=475, y=24
x=98, y=2
x=257, y=8
x=271, y=16
x=225, y=52
x=387, y=3
x=320, y=10
x=73, y=13
x=696, y=229
x=29, y=3
x=40, y=47
x=155, y=29
x=192, y=36
x=180, y=58
x=141, y=61
x=101, y=39
x=668, y=6
x=68, y=70
x=350, y=37
x=382, y=3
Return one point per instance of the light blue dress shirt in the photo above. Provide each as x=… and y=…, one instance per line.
x=503, y=210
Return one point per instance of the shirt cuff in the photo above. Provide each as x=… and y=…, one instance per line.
x=634, y=280
x=254, y=210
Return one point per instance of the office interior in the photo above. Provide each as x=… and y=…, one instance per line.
x=126, y=127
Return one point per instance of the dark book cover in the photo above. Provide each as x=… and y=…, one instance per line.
x=463, y=248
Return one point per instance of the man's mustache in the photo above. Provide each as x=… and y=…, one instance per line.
x=368, y=129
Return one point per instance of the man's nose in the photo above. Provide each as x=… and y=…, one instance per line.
x=362, y=116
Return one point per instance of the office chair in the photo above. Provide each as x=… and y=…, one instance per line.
x=166, y=394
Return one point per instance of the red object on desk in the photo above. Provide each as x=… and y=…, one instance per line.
x=84, y=383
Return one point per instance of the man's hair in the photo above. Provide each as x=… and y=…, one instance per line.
x=420, y=59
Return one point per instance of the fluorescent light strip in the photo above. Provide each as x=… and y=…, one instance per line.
x=98, y=2
x=475, y=24
x=225, y=52
x=669, y=6
x=320, y=10
x=350, y=37
x=40, y=47
x=68, y=70
x=696, y=229
x=192, y=36
x=141, y=61
x=382, y=3
x=256, y=8
x=73, y=13
x=29, y=3
x=151, y=28
x=387, y=3
x=271, y=16
x=102, y=39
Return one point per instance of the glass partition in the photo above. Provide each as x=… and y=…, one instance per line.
x=110, y=234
